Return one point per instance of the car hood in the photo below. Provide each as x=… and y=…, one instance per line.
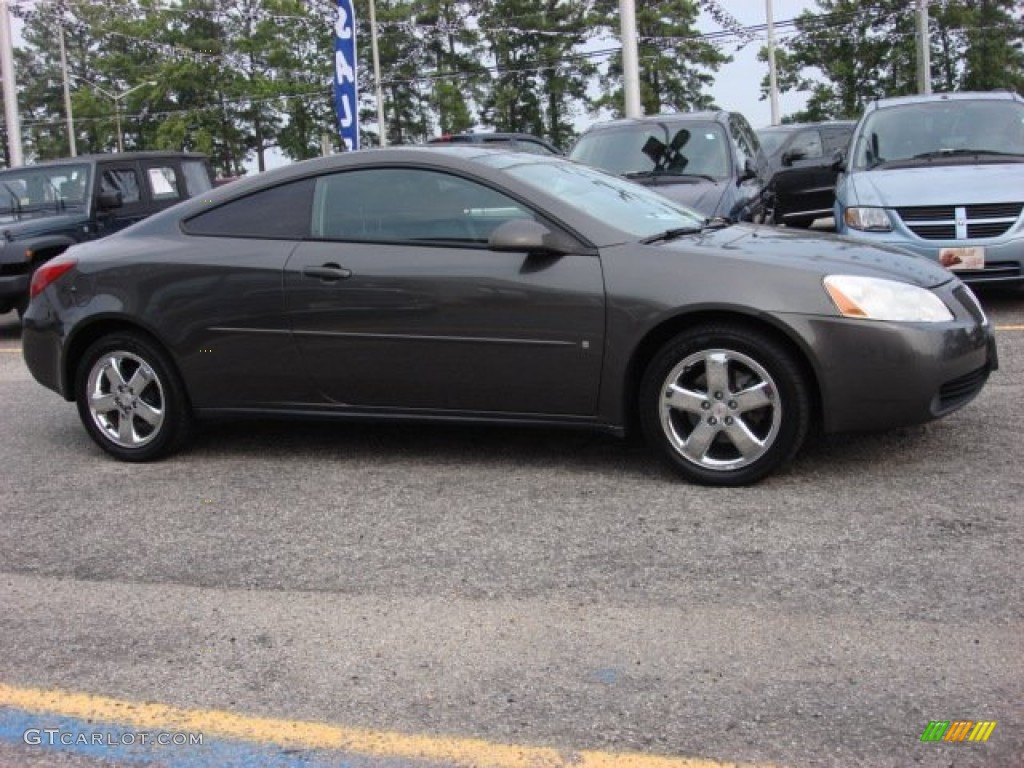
x=937, y=185
x=820, y=252
x=41, y=225
x=701, y=195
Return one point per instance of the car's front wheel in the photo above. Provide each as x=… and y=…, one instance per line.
x=130, y=398
x=725, y=404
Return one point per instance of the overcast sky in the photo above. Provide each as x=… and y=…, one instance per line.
x=738, y=85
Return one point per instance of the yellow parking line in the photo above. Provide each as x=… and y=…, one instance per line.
x=10, y=349
x=468, y=753
x=1010, y=327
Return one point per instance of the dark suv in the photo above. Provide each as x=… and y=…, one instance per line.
x=803, y=182
x=709, y=161
x=47, y=207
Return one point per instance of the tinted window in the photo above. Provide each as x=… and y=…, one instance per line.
x=123, y=180
x=746, y=144
x=197, y=178
x=281, y=212
x=807, y=144
x=771, y=140
x=163, y=183
x=396, y=205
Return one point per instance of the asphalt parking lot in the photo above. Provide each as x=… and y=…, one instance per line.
x=535, y=588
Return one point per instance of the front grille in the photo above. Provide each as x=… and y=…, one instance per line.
x=959, y=390
x=995, y=211
x=935, y=231
x=17, y=268
x=926, y=213
x=993, y=270
x=939, y=222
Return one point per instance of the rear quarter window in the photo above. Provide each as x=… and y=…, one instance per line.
x=283, y=212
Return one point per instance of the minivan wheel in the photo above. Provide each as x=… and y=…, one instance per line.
x=130, y=398
x=726, y=405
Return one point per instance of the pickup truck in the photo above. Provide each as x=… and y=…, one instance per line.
x=47, y=207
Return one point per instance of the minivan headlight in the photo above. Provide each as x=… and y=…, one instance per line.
x=872, y=298
x=868, y=219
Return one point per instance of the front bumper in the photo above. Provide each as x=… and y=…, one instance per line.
x=1004, y=258
x=877, y=375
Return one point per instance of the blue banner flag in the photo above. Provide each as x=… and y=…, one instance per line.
x=346, y=94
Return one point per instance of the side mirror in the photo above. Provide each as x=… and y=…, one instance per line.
x=791, y=156
x=108, y=201
x=529, y=236
x=839, y=162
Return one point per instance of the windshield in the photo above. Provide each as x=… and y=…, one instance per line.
x=697, y=148
x=772, y=139
x=932, y=129
x=35, y=190
x=615, y=201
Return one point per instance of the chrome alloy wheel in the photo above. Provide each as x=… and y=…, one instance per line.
x=720, y=409
x=125, y=399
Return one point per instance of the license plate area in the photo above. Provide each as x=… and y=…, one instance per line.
x=970, y=257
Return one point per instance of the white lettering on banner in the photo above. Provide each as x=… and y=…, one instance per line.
x=341, y=28
x=346, y=108
x=343, y=68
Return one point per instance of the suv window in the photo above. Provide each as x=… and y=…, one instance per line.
x=396, y=205
x=808, y=144
x=163, y=183
x=197, y=178
x=123, y=180
x=281, y=212
x=746, y=141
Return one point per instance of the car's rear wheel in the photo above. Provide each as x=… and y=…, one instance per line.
x=725, y=404
x=130, y=398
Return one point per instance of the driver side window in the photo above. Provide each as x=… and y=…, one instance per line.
x=408, y=205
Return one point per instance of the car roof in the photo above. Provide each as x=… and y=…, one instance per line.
x=787, y=127
x=924, y=98
x=711, y=115
x=115, y=156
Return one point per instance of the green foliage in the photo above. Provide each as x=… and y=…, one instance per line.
x=676, y=66
x=848, y=52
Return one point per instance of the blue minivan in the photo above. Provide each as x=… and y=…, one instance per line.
x=941, y=175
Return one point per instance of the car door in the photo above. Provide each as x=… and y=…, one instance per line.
x=396, y=302
x=805, y=182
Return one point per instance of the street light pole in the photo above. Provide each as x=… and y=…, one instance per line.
x=67, y=93
x=10, y=87
x=116, y=98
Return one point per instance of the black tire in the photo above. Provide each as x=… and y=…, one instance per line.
x=130, y=398
x=751, y=420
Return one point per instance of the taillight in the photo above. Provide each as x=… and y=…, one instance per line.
x=49, y=272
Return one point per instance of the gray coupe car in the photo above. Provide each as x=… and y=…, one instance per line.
x=491, y=286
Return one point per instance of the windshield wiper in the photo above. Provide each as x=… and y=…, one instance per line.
x=657, y=173
x=672, y=234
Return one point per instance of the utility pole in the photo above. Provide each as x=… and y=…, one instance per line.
x=924, y=66
x=630, y=59
x=773, y=83
x=10, y=87
x=376, y=75
x=67, y=93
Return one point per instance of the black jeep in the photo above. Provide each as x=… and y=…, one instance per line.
x=47, y=207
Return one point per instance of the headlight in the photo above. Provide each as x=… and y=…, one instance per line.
x=868, y=219
x=872, y=298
